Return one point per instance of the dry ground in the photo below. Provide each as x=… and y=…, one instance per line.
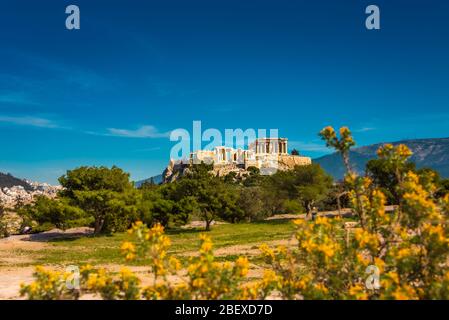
x=18, y=253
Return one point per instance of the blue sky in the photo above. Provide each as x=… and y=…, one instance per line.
x=109, y=93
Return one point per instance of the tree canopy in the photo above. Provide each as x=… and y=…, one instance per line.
x=106, y=194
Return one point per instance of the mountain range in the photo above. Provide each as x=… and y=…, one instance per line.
x=430, y=153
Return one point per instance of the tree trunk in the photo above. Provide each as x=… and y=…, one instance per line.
x=208, y=222
x=346, y=162
x=341, y=194
x=339, y=205
x=99, y=222
x=309, y=210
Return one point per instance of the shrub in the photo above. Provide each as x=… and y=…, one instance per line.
x=205, y=278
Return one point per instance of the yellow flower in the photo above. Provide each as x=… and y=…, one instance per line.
x=326, y=249
x=128, y=246
x=321, y=287
x=322, y=221
x=358, y=292
x=242, y=264
x=267, y=252
x=403, y=151
x=206, y=246
x=436, y=232
x=366, y=239
x=404, y=292
x=174, y=263
x=204, y=268
x=269, y=277
x=363, y=259
x=198, y=283
x=379, y=263
x=298, y=222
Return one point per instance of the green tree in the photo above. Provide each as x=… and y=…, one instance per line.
x=213, y=197
x=165, y=206
x=106, y=194
x=294, y=152
x=312, y=184
x=253, y=178
x=251, y=203
x=231, y=177
x=308, y=185
x=55, y=212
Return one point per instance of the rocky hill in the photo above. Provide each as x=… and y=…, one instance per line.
x=9, y=181
x=12, y=189
x=431, y=153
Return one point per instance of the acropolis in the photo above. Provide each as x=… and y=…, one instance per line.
x=266, y=154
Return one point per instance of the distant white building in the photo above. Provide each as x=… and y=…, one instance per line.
x=262, y=153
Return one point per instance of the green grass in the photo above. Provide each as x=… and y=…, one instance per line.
x=98, y=250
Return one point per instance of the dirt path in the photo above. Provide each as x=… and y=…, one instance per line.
x=11, y=255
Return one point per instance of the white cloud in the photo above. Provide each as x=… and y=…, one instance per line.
x=365, y=129
x=29, y=121
x=142, y=132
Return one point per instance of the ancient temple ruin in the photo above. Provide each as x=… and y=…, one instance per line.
x=262, y=153
x=266, y=154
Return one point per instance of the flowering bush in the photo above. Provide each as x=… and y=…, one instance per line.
x=205, y=278
x=125, y=286
x=49, y=285
x=407, y=249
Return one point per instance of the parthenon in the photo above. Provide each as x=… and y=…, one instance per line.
x=270, y=145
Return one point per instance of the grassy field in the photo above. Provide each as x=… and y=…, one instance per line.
x=105, y=250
